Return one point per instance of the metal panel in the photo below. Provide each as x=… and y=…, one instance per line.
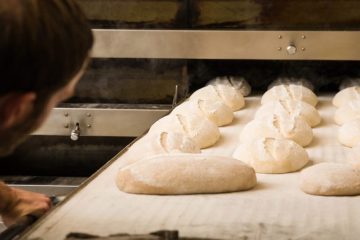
x=101, y=122
x=327, y=15
x=148, y=14
x=197, y=44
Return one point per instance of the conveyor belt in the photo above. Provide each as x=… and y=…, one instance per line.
x=275, y=209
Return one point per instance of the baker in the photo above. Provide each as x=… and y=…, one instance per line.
x=44, y=48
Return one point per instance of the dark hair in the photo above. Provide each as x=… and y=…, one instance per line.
x=43, y=44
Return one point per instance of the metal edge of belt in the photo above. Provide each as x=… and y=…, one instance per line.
x=42, y=219
x=227, y=44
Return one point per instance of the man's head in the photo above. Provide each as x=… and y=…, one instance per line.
x=44, y=47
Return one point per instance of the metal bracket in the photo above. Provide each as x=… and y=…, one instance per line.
x=78, y=119
x=292, y=44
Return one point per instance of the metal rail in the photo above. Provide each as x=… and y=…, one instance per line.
x=218, y=44
x=100, y=122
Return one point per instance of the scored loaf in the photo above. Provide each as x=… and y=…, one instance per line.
x=346, y=95
x=349, y=133
x=291, y=108
x=186, y=174
x=238, y=83
x=289, y=92
x=270, y=155
x=347, y=112
x=204, y=132
x=221, y=92
x=159, y=143
x=215, y=111
x=278, y=126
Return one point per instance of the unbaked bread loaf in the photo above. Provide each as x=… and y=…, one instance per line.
x=289, y=92
x=270, y=155
x=330, y=179
x=349, y=133
x=278, y=126
x=186, y=174
x=238, y=83
x=204, y=132
x=159, y=143
x=221, y=92
x=346, y=95
x=347, y=112
x=291, y=108
x=215, y=111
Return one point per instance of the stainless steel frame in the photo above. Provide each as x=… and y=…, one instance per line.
x=203, y=44
x=101, y=121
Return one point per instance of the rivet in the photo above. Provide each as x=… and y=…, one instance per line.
x=279, y=49
x=88, y=126
x=303, y=36
x=66, y=114
x=303, y=49
x=279, y=37
x=88, y=114
x=66, y=126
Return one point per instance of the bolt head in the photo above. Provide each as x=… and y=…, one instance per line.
x=291, y=49
x=74, y=137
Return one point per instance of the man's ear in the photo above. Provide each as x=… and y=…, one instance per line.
x=15, y=108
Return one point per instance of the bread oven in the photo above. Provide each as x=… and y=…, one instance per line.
x=150, y=55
